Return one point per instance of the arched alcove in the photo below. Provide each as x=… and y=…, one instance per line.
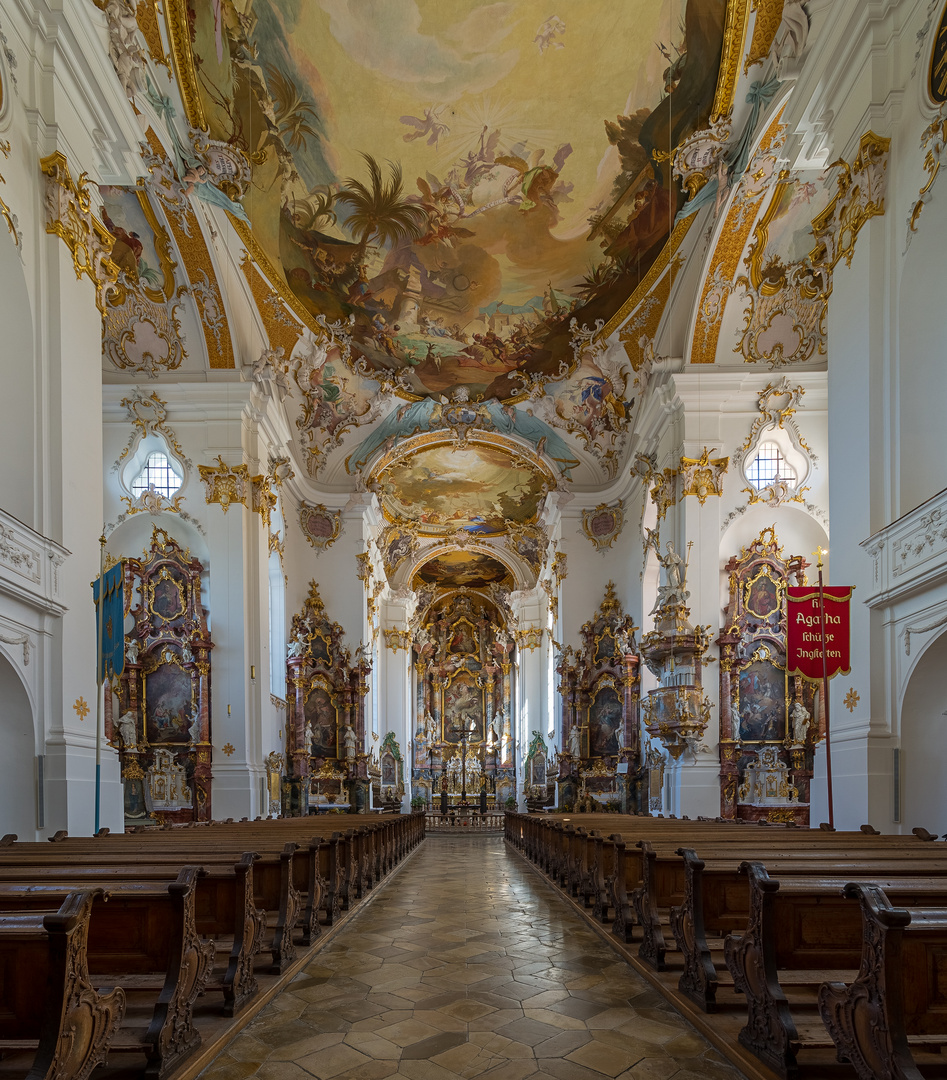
x=924, y=742
x=17, y=406
x=17, y=774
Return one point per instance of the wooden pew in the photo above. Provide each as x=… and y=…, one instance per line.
x=145, y=941
x=56, y=1010
x=895, y=1009
x=798, y=928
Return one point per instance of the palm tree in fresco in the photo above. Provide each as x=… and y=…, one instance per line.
x=379, y=208
x=293, y=111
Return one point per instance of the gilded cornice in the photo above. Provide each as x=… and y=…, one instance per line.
x=769, y=14
x=734, y=34
x=175, y=15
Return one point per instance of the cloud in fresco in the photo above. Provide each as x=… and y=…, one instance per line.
x=384, y=36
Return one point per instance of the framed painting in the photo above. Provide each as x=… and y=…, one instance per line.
x=605, y=647
x=169, y=704
x=321, y=714
x=761, y=701
x=537, y=770
x=606, y=716
x=389, y=770
x=463, y=638
x=764, y=595
x=462, y=708
x=319, y=649
x=168, y=599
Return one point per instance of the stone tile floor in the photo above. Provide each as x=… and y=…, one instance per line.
x=465, y=965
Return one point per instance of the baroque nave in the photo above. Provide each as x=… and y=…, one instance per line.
x=419, y=422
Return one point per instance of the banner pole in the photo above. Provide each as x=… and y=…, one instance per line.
x=99, y=682
x=825, y=695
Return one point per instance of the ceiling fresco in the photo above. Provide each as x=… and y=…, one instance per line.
x=448, y=177
x=481, y=487
x=462, y=569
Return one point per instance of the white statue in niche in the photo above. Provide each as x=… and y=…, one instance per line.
x=307, y=737
x=127, y=727
x=194, y=727
x=506, y=742
x=575, y=741
x=800, y=723
x=349, y=742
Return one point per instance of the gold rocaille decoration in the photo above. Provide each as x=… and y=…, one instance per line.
x=228, y=484
x=69, y=216
x=703, y=476
x=861, y=196
x=933, y=142
x=769, y=14
x=397, y=639
x=530, y=637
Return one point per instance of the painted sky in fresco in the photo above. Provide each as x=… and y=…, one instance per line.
x=449, y=174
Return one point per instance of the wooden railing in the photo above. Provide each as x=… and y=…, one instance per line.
x=465, y=820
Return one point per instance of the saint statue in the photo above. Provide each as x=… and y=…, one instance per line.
x=131, y=650
x=673, y=590
x=506, y=739
x=800, y=723
x=349, y=742
x=307, y=737
x=186, y=655
x=297, y=646
x=127, y=728
x=575, y=741
x=194, y=727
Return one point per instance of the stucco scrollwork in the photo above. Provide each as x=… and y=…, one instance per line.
x=68, y=207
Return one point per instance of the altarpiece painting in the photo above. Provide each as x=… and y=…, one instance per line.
x=162, y=726
x=762, y=751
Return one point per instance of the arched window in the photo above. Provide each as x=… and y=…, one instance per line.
x=158, y=473
x=768, y=466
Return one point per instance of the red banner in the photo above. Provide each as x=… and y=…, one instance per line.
x=804, y=631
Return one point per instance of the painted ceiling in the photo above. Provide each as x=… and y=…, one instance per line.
x=447, y=177
x=460, y=570
x=460, y=246
x=479, y=488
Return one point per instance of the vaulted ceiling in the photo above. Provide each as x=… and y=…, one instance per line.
x=459, y=227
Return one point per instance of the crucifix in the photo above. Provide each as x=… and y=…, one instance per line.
x=464, y=730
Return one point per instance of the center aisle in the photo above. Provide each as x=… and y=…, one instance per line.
x=466, y=965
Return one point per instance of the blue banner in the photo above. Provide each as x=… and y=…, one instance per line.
x=110, y=620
